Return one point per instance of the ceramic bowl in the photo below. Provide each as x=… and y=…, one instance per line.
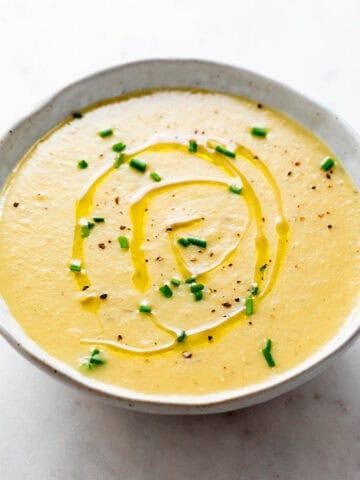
x=180, y=73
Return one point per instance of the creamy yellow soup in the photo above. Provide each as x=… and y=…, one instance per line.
x=180, y=242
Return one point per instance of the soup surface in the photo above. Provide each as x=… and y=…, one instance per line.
x=180, y=242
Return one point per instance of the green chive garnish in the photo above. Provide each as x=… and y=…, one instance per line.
x=77, y=115
x=198, y=295
x=183, y=241
x=118, y=147
x=197, y=241
x=166, y=291
x=197, y=287
x=75, y=266
x=190, y=280
x=259, y=131
x=263, y=267
x=85, y=231
x=225, y=151
x=83, y=164
x=93, y=360
x=119, y=160
x=181, y=337
x=138, y=164
x=176, y=282
x=235, y=189
x=123, y=242
x=99, y=219
x=249, y=306
x=267, y=353
x=254, y=289
x=192, y=146
x=106, y=133
x=155, y=176
x=145, y=308
x=327, y=164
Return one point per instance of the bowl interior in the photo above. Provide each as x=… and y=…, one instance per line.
x=181, y=73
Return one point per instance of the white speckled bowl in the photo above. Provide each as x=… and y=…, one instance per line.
x=180, y=73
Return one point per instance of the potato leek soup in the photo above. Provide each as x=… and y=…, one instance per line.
x=180, y=242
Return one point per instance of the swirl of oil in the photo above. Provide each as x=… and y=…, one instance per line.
x=138, y=209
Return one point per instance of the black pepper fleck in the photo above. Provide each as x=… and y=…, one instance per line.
x=103, y=296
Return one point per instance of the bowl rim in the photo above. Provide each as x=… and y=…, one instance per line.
x=181, y=404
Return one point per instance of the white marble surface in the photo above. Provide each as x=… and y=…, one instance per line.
x=49, y=431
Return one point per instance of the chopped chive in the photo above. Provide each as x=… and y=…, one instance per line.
x=93, y=360
x=225, y=151
x=192, y=146
x=77, y=115
x=198, y=295
x=249, y=306
x=83, y=164
x=123, y=242
x=99, y=219
x=91, y=225
x=268, y=344
x=96, y=360
x=145, y=308
x=197, y=241
x=235, y=189
x=166, y=291
x=196, y=287
x=183, y=241
x=267, y=353
x=268, y=357
x=118, y=147
x=155, y=176
x=327, y=164
x=190, y=280
x=119, y=160
x=85, y=231
x=254, y=289
x=75, y=266
x=106, y=133
x=263, y=267
x=138, y=164
x=181, y=337
x=175, y=282
x=259, y=131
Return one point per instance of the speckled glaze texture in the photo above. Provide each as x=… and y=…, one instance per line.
x=181, y=73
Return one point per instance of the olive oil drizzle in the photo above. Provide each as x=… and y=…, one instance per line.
x=282, y=226
x=138, y=214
